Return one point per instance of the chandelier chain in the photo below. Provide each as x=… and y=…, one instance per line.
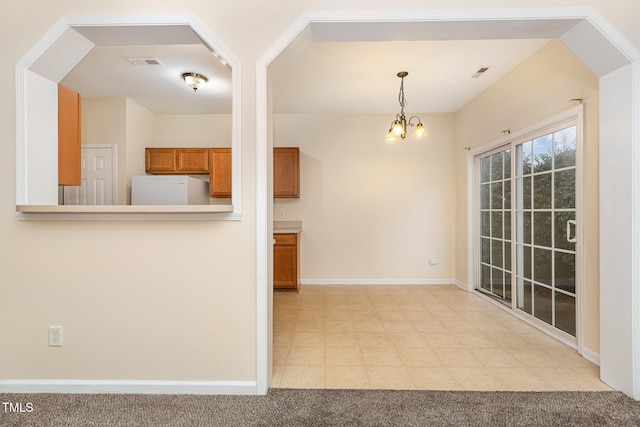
x=401, y=100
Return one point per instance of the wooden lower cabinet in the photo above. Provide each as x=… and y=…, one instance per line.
x=286, y=262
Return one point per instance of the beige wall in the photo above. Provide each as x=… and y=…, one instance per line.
x=540, y=87
x=371, y=210
x=194, y=130
x=104, y=121
x=163, y=300
x=140, y=127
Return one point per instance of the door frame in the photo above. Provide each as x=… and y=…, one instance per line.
x=512, y=139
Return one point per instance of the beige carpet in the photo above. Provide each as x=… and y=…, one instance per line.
x=294, y=407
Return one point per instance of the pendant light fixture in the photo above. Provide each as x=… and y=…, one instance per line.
x=194, y=80
x=399, y=125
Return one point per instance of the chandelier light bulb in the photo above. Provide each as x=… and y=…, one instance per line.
x=397, y=128
x=391, y=137
x=420, y=131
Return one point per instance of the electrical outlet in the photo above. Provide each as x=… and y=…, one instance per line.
x=55, y=336
x=433, y=261
x=281, y=213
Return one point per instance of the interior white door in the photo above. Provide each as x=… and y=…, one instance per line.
x=97, y=178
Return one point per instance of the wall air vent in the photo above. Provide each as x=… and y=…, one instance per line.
x=144, y=61
x=480, y=72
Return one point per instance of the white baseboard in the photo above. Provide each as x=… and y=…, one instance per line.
x=376, y=281
x=128, y=387
x=591, y=356
x=460, y=284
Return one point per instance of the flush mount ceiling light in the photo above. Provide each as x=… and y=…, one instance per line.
x=194, y=80
x=399, y=125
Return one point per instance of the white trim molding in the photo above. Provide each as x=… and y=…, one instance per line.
x=635, y=236
x=591, y=355
x=381, y=282
x=128, y=387
x=462, y=285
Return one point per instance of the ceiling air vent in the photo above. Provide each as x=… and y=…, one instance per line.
x=480, y=72
x=144, y=61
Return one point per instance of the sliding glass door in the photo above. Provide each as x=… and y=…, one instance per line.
x=542, y=212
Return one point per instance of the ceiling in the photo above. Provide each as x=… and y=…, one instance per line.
x=327, y=77
x=107, y=71
x=361, y=77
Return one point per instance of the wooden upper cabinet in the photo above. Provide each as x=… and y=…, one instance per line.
x=161, y=160
x=69, y=136
x=193, y=160
x=220, y=172
x=286, y=172
x=177, y=160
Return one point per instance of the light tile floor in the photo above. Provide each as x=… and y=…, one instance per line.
x=415, y=337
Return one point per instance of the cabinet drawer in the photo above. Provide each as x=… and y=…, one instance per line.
x=285, y=239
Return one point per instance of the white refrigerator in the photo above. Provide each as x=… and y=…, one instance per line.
x=168, y=190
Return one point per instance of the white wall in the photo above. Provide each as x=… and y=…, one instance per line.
x=617, y=349
x=371, y=211
x=540, y=87
x=41, y=141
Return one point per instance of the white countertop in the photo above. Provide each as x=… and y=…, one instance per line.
x=287, y=227
x=93, y=209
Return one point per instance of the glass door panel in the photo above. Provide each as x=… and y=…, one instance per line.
x=495, y=224
x=545, y=218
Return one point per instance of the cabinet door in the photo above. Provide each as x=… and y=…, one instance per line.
x=68, y=137
x=193, y=160
x=161, y=160
x=286, y=172
x=285, y=262
x=220, y=172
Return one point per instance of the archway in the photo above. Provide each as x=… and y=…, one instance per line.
x=599, y=47
x=42, y=68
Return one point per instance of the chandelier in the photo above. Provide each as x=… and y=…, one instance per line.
x=399, y=125
x=194, y=80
